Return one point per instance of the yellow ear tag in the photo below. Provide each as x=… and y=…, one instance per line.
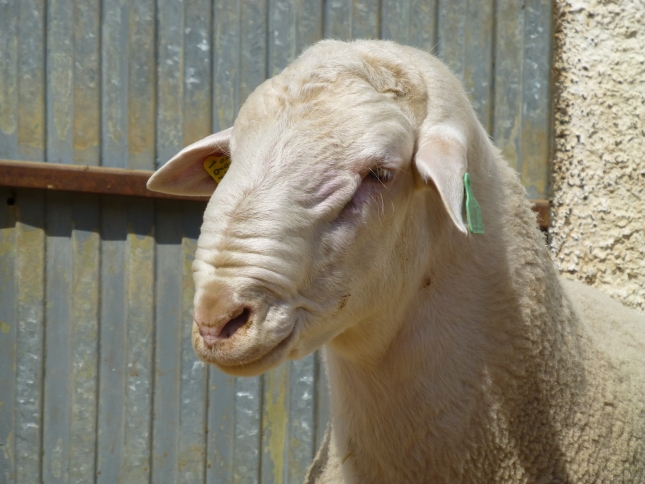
x=217, y=166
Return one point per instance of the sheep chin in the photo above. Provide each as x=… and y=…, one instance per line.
x=237, y=358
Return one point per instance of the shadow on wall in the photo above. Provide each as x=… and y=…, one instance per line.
x=62, y=214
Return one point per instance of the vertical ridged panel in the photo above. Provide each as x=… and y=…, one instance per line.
x=30, y=278
x=321, y=399
x=128, y=130
x=197, y=78
x=338, y=19
x=282, y=34
x=142, y=92
x=139, y=279
x=60, y=76
x=8, y=336
x=58, y=313
x=86, y=82
x=509, y=54
x=395, y=21
x=8, y=78
x=309, y=23
x=226, y=62
x=72, y=245
x=451, y=35
x=275, y=408
x=248, y=408
x=253, y=53
x=139, y=247
x=168, y=316
x=365, y=19
x=114, y=83
x=113, y=315
x=170, y=78
x=423, y=25
x=478, y=70
x=113, y=340
x=221, y=427
x=300, y=420
x=31, y=73
x=59, y=260
x=85, y=247
x=410, y=22
x=194, y=373
x=22, y=136
x=536, y=92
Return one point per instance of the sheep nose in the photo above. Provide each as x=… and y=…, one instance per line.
x=224, y=329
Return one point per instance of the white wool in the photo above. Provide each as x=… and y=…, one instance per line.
x=452, y=357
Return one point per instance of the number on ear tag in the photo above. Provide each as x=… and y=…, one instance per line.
x=217, y=166
x=473, y=211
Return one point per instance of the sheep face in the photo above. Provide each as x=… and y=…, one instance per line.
x=301, y=235
x=320, y=226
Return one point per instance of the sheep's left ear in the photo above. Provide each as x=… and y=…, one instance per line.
x=441, y=158
x=185, y=174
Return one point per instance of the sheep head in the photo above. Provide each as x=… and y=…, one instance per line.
x=345, y=169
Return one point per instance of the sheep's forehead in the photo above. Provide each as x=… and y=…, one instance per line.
x=341, y=126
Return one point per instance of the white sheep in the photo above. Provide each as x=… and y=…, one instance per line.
x=452, y=356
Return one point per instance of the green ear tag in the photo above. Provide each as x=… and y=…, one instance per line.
x=217, y=166
x=475, y=222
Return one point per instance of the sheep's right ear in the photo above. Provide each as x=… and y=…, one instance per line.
x=441, y=159
x=185, y=174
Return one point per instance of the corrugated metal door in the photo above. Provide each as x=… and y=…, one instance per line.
x=98, y=381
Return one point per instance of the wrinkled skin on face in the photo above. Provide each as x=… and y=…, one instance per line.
x=295, y=233
x=321, y=222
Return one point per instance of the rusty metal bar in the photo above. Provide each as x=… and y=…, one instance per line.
x=76, y=178
x=116, y=181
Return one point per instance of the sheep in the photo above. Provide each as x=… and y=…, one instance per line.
x=452, y=355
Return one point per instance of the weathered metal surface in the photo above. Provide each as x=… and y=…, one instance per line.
x=535, y=135
x=113, y=353
x=8, y=339
x=523, y=89
x=30, y=278
x=57, y=384
x=116, y=394
x=139, y=274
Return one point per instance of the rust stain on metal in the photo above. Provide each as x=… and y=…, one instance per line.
x=543, y=211
x=87, y=179
x=275, y=425
x=535, y=159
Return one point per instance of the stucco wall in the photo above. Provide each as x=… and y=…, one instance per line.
x=598, y=186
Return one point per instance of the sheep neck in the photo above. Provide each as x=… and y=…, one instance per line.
x=417, y=391
x=450, y=365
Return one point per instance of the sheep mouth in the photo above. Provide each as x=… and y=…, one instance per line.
x=254, y=365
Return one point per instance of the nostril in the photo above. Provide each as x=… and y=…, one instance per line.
x=234, y=324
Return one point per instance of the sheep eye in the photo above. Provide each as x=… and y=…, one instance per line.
x=381, y=174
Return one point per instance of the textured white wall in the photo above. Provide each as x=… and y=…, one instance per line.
x=598, y=185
